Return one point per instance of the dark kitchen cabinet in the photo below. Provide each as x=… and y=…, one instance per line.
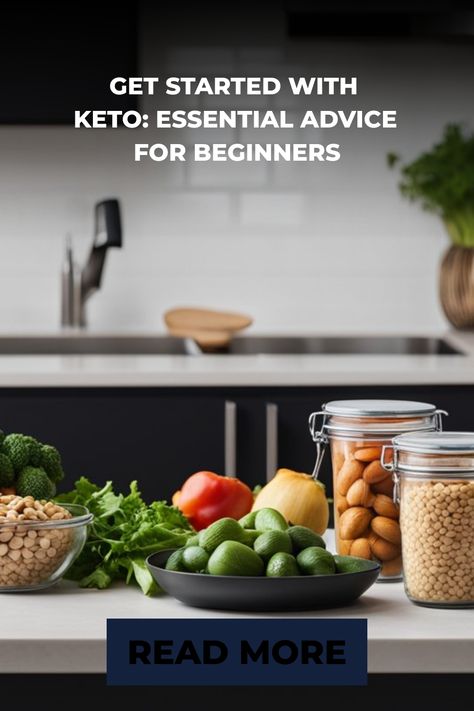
x=161, y=435
x=158, y=437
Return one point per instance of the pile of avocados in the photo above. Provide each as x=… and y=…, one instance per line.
x=260, y=544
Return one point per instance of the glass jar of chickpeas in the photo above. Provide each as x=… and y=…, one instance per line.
x=434, y=485
x=366, y=518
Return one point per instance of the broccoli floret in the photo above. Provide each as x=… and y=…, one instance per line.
x=17, y=450
x=7, y=473
x=22, y=450
x=34, y=449
x=33, y=481
x=2, y=437
x=51, y=462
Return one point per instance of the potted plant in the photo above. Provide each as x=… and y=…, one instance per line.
x=442, y=180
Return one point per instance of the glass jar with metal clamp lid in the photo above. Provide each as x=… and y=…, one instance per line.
x=434, y=486
x=366, y=518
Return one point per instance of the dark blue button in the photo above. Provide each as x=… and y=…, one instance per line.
x=221, y=652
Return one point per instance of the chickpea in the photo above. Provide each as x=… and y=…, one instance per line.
x=437, y=524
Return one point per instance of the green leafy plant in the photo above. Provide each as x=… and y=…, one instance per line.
x=125, y=531
x=442, y=180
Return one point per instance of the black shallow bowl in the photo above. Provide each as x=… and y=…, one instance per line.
x=255, y=594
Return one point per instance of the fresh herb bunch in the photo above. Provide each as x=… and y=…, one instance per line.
x=124, y=532
x=442, y=179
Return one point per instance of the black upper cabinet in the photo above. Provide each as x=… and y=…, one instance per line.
x=59, y=57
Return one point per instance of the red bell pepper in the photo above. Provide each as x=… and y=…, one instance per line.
x=206, y=497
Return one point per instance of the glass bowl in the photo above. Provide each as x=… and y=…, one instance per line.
x=35, y=554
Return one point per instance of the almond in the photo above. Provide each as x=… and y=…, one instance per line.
x=341, y=503
x=338, y=459
x=361, y=548
x=368, y=454
x=374, y=472
x=385, y=527
x=354, y=521
x=392, y=567
x=384, y=487
x=384, y=506
x=350, y=471
x=382, y=549
x=360, y=494
x=344, y=547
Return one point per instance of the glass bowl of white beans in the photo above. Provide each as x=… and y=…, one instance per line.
x=39, y=541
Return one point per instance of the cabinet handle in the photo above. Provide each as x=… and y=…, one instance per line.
x=272, y=439
x=230, y=439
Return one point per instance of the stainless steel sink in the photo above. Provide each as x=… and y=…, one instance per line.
x=88, y=344
x=336, y=345
x=84, y=344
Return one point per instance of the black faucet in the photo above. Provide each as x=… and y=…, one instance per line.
x=79, y=285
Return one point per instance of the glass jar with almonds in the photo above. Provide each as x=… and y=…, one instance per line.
x=366, y=518
x=434, y=485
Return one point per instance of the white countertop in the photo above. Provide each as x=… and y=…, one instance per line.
x=63, y=629
x=240, y=370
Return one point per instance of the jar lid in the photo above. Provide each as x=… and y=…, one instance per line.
x=379, y=408
x=373, y=419
x=436, y=442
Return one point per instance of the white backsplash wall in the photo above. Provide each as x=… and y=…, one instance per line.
x=301, y=247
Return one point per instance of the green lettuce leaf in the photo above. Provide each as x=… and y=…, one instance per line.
x=124, y=532
x=143, y=576
x=99, y=578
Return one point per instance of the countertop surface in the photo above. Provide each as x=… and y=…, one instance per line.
x=63, y=629
x=240, y=370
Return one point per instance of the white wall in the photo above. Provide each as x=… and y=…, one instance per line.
x=314, y=247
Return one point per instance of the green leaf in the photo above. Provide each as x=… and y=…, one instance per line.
x=99, y=578
x=82, y=492
x=109, y=504
x=392, y=159
x=133, y=502
x=143, y=576
x=88, y=560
